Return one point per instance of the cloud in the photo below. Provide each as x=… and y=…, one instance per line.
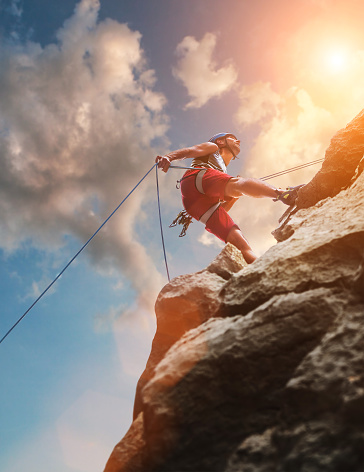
x=207, y=239
x=198, y=72
x=316, y=89
x=14, y=8
x=257, y=103
x=77, y=122
x=295, y=128
x=296, y=133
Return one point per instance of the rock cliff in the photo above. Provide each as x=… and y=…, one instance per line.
x=261, y=368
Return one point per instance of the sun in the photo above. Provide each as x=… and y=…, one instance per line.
x=337, y=61
x=334, y=58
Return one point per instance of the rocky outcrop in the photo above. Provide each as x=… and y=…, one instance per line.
x=341, y=165
x=261, y=368
x=185, y=303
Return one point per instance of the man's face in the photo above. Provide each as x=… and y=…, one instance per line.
x=233, y=143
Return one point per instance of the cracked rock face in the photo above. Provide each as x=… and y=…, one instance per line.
x=261, y=368
x=226, y=380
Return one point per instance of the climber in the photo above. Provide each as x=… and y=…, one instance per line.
x=208, y=194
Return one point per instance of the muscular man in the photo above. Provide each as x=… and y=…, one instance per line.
x=208, y=194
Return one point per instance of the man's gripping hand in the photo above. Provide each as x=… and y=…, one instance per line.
x=163, y=162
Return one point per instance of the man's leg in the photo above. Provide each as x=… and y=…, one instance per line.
x=236, y=187
x=236, y=238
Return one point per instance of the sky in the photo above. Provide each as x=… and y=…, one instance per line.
x=90, y=93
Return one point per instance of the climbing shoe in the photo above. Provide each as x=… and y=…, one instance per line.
x=289, y=195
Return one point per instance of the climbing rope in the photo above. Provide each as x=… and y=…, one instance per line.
x=74, y=257
x=271, y=176
x=267, y=177
x=160, y=223
x=292, y=169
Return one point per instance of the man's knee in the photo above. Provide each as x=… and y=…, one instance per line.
x=234, y=187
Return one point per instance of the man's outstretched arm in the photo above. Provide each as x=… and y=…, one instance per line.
x=186, y=153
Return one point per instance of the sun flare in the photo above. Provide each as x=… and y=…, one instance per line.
x=337, y=61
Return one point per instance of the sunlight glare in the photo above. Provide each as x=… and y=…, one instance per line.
x=337, y=61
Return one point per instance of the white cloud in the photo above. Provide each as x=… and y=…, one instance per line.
x=299, y=132
x=295, y=128
x=293, y=131
x=198, y=71
x=208, y=239
x=258, y=103
x=77, y=119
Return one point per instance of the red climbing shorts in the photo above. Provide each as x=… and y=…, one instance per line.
x=197, y=203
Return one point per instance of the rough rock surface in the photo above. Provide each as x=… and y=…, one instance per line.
x=336, y=172
x=185, y=303
x=261, y=368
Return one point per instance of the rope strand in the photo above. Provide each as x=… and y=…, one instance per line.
x=267, y=177
x=292, y=169
x=74, y=257
x=160, y=223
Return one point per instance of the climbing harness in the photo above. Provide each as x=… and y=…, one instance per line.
x=178, y=184
x=183, y=218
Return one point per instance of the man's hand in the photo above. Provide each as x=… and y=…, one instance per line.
x=163, y=162
x=190, y=152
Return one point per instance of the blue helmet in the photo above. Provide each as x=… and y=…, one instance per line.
x=220, y=135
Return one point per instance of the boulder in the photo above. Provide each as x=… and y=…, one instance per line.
x=343, y=161
x=185, y=303
x=226, y=380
